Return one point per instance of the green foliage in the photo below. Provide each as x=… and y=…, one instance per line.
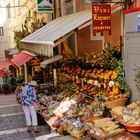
x=18, y=44
x=20, y=79
x=26, y=29
x=5, y=87
x=12, y=82
x=106, y=59
x=121, y=78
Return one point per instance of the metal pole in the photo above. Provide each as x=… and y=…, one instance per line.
x=17, y=6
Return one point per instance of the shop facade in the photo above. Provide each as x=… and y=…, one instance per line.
x=92, y=91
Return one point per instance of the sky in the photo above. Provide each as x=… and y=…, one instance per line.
x=2, y=13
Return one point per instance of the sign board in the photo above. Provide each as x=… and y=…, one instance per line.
x=35, y=62
x=101, y=18
x=44, y=6
x=1, y=81
x=138, y=23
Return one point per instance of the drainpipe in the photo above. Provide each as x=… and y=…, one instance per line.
x=54, y=11
x=60, y=8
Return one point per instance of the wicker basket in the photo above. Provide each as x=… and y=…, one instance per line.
x=117, y=117
x=115, y=103
x=77, y=134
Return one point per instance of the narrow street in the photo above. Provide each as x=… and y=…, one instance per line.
x=12, y=123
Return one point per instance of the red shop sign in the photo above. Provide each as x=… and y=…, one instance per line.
x=35, y=62
x=101, y=18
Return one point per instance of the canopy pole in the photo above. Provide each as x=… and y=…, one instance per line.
x=25, y=73
x=55, y=77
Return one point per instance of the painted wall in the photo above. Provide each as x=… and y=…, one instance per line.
x=3, y=39
x=18, y=16
x=84, y=44
x=81, y=4
x=116, y=28
x=137, y=3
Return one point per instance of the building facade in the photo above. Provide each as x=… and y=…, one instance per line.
x=3, y=30
x=22, y=15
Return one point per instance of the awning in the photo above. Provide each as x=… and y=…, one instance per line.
x=51, y=60
x=58, y=28
x=2, y=73
x=5, y=64
x=21, y=59
x=29, y=53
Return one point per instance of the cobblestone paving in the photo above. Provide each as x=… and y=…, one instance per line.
x=12, y=122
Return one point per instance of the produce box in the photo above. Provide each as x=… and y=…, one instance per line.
x=104, y=128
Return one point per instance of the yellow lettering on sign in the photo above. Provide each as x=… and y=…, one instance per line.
x=96, y=9
x=97, y=17
x=94, y=16
x=101, y=10
x=105, y=10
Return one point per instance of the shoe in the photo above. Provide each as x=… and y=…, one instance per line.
x=36, y=129
x=29, y=129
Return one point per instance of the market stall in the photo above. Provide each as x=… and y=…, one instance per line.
x=85, y=99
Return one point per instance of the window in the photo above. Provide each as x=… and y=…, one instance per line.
x=1, y=31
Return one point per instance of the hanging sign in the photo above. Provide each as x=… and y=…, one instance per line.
x=101, y=18
x=44, y=6
x=35, y=62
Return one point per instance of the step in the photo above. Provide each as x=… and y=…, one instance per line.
x=22, y=134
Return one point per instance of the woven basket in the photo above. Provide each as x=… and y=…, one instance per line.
x=115, y=103
x=77, y=134
x=117, y=117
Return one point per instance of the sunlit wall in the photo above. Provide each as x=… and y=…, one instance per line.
x=2, y=12
x=3, y=37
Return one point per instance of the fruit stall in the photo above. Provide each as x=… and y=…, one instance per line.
x=92, y=99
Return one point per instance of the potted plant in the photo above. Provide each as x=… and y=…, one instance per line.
x=5, y=88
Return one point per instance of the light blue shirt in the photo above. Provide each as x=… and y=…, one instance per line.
x=28, y=96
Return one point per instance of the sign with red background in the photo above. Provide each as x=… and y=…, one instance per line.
x=101, y=18
x=35, y=62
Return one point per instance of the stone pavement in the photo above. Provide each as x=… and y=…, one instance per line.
x=12, y=123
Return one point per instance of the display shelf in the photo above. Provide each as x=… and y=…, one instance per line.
x=79, y=75
x=85, y=94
